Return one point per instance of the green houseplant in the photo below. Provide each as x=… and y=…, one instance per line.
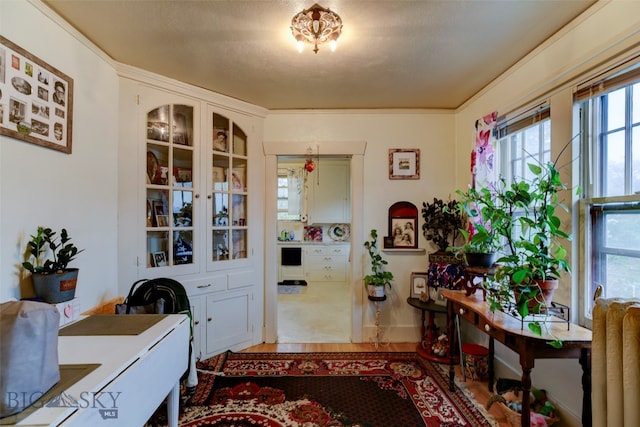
x=523, y=217
x=379, y=277
x=482, y=236
x=442, y=223
x=53, y=280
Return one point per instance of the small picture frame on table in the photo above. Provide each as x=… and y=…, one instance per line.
x=419, y=285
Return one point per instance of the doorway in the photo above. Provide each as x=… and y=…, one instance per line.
x=354, y=287
x=313, y=304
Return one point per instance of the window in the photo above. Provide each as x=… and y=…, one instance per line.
x=524, y=141
x=290, y=183
x=612, y=117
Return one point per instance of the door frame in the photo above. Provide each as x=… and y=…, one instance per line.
x=273, y=149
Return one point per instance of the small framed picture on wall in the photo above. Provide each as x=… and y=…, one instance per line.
x=404, y=163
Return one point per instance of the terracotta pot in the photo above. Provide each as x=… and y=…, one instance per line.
x=548, y=288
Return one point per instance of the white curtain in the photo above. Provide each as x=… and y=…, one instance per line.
x=296, y=186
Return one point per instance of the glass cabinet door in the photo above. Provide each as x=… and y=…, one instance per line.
x=229, y=222
x=170, y=186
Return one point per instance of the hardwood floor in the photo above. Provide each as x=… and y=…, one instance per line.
x=477, y=388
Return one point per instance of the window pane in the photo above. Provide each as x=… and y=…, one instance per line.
x=615, y=109
x=635, y=156
x=622, y=230
x=623, y=277
x=613, y=173
x=635, y=115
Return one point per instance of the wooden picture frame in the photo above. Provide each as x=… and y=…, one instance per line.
x=39, y=99
x=404, y=163
x=160, y=215
x=404, y=232
x=419, y=285
x=435, y=294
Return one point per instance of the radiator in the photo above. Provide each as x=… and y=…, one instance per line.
x=615, y=363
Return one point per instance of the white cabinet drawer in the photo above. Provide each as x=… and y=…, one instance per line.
x=327, y=250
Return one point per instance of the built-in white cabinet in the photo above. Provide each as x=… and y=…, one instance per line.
x=188, y=216
x=328, y=196
x=326, y=263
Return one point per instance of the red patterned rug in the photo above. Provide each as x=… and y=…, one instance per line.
x=326, y=389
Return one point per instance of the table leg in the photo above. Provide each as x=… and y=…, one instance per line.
x=173, y=407
x=490, y=362
x=526, y=404
x=451, y=337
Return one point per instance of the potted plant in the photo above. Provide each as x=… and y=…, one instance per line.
x=53, y=280
x=379, y=278
x=482, y=237
x=523, y=215
x=442, y=224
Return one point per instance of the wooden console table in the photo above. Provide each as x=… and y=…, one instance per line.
x=509, y=331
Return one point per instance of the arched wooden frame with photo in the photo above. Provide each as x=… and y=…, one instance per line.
x=403, y=226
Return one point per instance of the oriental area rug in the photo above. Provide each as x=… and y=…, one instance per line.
x=381, y=389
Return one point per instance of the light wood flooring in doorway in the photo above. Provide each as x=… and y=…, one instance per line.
x=320, y=313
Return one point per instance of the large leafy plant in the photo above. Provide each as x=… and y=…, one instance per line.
x=442, y=222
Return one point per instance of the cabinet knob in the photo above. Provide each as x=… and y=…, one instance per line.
x=197, y=195
x=461, y=311
x=197, y=322
x=209, y=319
x=487, y=328
x=209, y=196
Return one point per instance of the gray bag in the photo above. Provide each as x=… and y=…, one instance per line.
x=28, y=353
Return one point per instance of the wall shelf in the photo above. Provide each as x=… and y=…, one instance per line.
x=412, y=251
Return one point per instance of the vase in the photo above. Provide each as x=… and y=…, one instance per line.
x=376, y=293
x=56, y=287
x=480, y=259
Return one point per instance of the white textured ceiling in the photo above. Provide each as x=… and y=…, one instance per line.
x=392, y=54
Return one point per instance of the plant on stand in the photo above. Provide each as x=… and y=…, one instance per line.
x=442, y=223
x=53, y=280
x=482, y=235
x=524, y=216
x=379, y=277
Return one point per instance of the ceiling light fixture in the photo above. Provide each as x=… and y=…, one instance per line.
x=316, y=25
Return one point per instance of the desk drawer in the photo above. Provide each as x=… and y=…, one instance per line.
x=478, y=321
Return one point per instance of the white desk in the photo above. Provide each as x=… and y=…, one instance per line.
x=136, y=374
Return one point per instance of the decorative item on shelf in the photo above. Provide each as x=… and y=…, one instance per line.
x=441, y=347
x=53, y=280
x=442, y=223
x=534, y=253
x=316, y=25
x=339, y=232
x=403, y=226
x=379, y=278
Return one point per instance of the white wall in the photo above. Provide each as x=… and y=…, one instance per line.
x=40, y=186
x=608, y=29
x=431, y=132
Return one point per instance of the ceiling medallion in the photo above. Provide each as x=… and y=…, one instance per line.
x=316, y=25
